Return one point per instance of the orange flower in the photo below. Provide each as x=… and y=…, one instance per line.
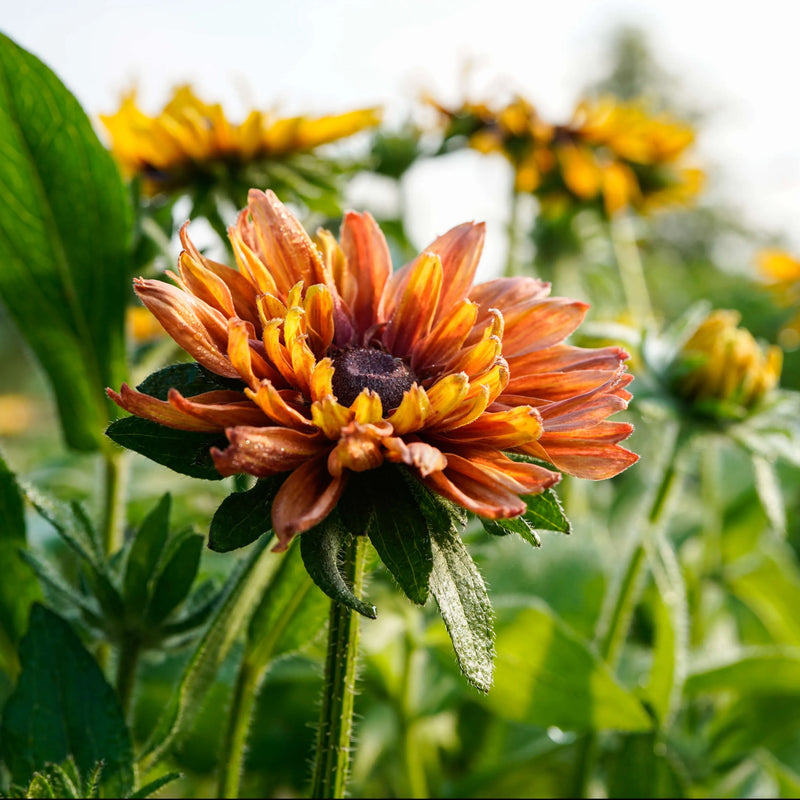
x=346, y=364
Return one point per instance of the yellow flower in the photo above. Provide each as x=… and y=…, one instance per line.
x=725, y=370
x=345, y=364
x=190, y=138
x=783, y=272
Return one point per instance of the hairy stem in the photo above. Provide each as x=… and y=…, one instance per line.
x=629, y=262
x=336, y=717
x=115, y=474
x=235, y=741
x=129, y=652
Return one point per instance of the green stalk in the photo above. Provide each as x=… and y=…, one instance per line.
x=239, y=717
x=129, y=652
x=336, y=716
x=115, y=473
x=631, y=272
x=513, y=267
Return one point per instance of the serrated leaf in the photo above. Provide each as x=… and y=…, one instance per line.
x=242, y=591
x=65, y=234
x=465, y=607
x=187, y=452
x=77, y=712
x=518, y=525
x=144, y=553
x=244, y=516
x=19, y=587
x=549, y=675
x=545, y=512
x=175, y=578
x=320, y=548
x=291, y=613
x=396, y=527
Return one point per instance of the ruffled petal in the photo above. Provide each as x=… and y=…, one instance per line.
x=307, y=496
x=423, y=457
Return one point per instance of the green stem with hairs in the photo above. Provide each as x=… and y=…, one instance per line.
x=115, y=475
x=336, y=716
x=128, y=660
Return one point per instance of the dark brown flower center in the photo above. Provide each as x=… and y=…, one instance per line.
x=359, y=368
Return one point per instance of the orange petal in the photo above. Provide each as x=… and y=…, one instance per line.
x=446, y=394
x=196, y=327
x=321, y=384
x=593, y=457
x=431, y=353
x=367, y=407
x=471, y=407
x=413, y=315
x=330, y=417
x=542, y=324
x=564, y=357
x=318, y=305
x=222, y=408
x=247, y=260
x=367, y=258
x=204, y=285
x=358, y=451
x=423, y=457
x=502, y=430
x=160, y=411
x=266, y=451
x=505, y=293
x=556, y=386
x=273, y=404
x=307, y=496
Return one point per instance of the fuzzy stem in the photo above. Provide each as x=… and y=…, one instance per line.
x=629, y=262
x=235, y=741
x=336, y=716
x=127, y=662
x=115, y=468
x=513, y=266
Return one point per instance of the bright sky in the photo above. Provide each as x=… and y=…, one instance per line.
x=325, y=56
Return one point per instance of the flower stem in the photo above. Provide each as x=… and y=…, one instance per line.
x=336, y=716
x=513, y=267
x=239, y=717
x=629, y=262
x=126, y=671
x=115, y=468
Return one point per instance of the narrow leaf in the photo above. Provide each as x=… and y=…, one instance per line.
x=548, y=675
x=64, y=236
x=461, y=595
x=187, y=452
x=241, y=593
x=77, y=712
x=769, y=493
x=320, y=548
x=518, y=525
x=152, y=787
x=175, y=579
x=758, y=670
x=144, y=554
x=243, y=516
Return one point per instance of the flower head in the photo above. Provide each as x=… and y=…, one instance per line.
x=610, y=153
x=344, y=364
x=783, y=273
x=722, y=370
x=191, y=140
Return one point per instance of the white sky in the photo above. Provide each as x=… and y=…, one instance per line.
x=326, y=56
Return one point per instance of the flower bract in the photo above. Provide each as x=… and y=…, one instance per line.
x=338, y=364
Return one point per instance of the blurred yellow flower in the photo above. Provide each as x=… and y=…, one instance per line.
x=783, y=272
x=16, y=414
x=724, y=370
x=610, y=152
x=191, y=137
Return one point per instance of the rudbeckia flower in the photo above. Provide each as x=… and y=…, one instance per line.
x=340, y=364
x=191, y=139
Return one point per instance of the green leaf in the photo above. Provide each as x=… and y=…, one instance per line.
x=768, y=487
x=291, y=613
x=189, y=379
x=244, y=516
x=396, y=526
x=76, y=712
x=518, y=525
x=545, y=512
x=640, y=768
x=241, y=593
x=757, y=670
x=143, y=556
x=175, y=579
x=151, y=788
x=19, y=587
x=65, y=233
x=548, y=675
x=187, y=452
x=461, y=595
x=320, y=548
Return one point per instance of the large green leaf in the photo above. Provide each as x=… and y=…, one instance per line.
x=548, y=675
x=65, y=229
x=757, y=670
x=145, y=551
x=465, y=607
x=187, y=452
x=63, y=706
x=19, y=587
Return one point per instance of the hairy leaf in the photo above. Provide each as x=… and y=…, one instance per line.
x=244, y=516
